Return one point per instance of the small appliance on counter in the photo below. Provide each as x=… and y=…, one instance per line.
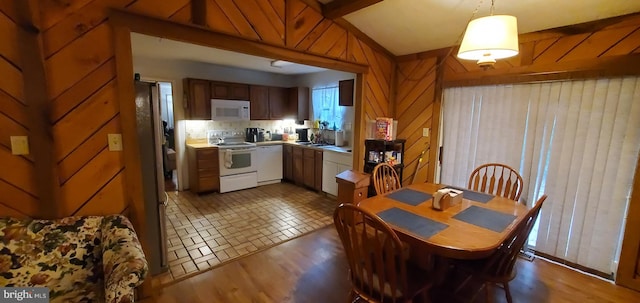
x=254, y=134
x=303, y=134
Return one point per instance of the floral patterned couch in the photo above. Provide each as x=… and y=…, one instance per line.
x=80, y=259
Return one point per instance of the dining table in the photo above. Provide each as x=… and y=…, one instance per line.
x=471, y=229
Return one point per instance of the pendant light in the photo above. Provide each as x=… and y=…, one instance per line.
x=489, y=38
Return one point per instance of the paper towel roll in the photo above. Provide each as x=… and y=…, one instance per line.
x=339, y=138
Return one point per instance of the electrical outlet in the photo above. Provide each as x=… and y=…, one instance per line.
x=115, y=142
x=19, y=145
x=425, y=132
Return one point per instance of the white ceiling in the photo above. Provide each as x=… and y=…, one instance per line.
x=162, y=48
x=413, y=26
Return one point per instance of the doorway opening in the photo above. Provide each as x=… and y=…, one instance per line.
x=169, y=144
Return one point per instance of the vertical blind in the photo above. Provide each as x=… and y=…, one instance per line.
x=577, y=141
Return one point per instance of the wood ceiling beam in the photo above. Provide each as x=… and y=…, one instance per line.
x=338, y=8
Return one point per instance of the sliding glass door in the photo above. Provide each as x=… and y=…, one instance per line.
x=577, y=141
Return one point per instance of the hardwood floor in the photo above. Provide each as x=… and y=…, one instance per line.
x=312, y=268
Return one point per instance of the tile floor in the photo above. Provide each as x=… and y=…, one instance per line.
x=206, y=230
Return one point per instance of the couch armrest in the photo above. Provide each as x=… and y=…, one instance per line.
x=124, y=263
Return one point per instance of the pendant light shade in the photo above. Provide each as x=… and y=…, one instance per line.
x=489, y=38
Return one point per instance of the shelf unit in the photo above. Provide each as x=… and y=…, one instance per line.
x=378, y=151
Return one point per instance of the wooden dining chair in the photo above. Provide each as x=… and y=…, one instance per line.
x=378, y=269
x=499, y=268
x=385, y=178
x=496, y=179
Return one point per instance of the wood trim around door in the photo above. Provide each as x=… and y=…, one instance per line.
x=124, y=23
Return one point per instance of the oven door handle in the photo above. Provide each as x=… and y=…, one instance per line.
x=235, y=150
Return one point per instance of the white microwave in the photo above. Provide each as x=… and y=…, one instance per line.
x=229, y=110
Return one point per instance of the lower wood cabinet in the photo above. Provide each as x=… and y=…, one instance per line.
x=317, y=184
x=309, y=167
x=302, y=166
x=204, y=170
x=287, y=162
x=298, y=172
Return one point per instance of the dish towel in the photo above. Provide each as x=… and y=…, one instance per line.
x=228, y=158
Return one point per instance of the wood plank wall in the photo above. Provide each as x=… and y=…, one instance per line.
x=17, y=175
x=416, y=92
x=78, y=51
x=606, y=47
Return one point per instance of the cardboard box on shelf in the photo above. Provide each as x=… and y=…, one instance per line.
x=384, y=128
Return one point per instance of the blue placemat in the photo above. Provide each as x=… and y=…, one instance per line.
x=486, y=218
x=409, y=196
x=474, y=195
x=421, y=226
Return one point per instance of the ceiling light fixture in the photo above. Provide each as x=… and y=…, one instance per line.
x=280, y=63
x=489, y=38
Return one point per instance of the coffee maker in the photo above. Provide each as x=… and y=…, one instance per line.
x=303, y=134
x=254, y=134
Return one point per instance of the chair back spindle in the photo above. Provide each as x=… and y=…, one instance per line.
x=385, y=178
x=375, y=255
x=496, y=179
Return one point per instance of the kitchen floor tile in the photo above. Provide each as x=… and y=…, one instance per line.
x=207, y=230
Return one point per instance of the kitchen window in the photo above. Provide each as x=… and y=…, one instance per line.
x=325, y=106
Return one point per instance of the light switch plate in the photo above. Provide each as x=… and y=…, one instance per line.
x=115, y=142
x=425, y=132
x=19, y=145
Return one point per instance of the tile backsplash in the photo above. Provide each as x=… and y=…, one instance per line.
x=196, y=130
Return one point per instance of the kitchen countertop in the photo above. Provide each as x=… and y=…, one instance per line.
x=200, y=145
x=338, y=149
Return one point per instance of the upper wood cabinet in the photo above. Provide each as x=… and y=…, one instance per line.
x=259, y=97
x=278, y=103
x=345, y=92
x=198, y=103
x=299, y=103
x=229, y=91
x=268, y=102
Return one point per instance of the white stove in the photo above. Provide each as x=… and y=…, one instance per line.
x=237, y=162
x=232, y=145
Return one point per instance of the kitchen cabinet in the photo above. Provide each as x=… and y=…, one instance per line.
x=259, y=98
x=298, y=172
x=268, y=102
x=333, y=164
x=204, y=170
x=269, y=163
x=309, y=167
x=317, y=185
x=287, y=162
x=198, y=95
x=303, y=166
x=345, y=92
x=298, y=103
x=278, y=103
x=229, y=91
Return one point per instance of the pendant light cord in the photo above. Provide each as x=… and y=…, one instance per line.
x=458, y=41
